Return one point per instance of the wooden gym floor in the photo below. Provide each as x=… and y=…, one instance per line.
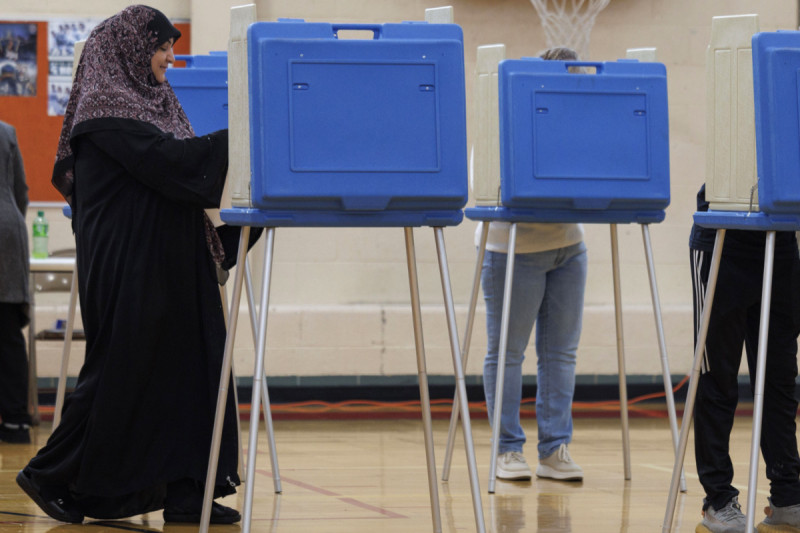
x=368, y=475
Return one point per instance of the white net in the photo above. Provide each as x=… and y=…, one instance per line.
x=569, y=22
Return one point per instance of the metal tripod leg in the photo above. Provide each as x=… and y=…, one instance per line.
x=255, y=408
x=761, y=368
x=473, y=301
x=61, y=389
x=501, y=356
x=273, y=451
x=223, y=294
x=461, y=388
x=662, y=344
x=688, y=409
x=623, y=388
x=425, y=402
x=224, y=379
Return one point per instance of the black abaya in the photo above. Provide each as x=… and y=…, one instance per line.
x=142, y=413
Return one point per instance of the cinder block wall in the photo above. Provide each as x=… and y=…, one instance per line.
x=340, y=299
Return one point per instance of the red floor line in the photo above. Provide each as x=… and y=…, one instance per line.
x=325, y=492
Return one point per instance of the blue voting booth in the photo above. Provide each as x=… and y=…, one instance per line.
x=374, y=124
x=202, y=90
x=579, y=142
x=582, y=147
x=776, y=62
x=595, y=141
x=343, y=132
x=776, y=90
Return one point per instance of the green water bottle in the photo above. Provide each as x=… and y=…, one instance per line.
x=40, y=230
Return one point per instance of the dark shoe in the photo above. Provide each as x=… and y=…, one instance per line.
x=219, y=515
x=16, y=433
x=61, y=509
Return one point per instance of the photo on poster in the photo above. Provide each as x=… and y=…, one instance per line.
x=17, y=59
x=62, y=34
x=58, y=95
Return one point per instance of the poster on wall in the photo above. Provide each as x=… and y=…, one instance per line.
x=62, y=34
x=17, y=59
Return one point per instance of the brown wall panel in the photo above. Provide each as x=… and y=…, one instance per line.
x=37, y=132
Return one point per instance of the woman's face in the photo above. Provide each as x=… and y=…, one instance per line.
x=161, y=59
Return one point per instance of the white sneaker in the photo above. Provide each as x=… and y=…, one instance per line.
x=559, y=465
x=729, y=519
x=512, y=466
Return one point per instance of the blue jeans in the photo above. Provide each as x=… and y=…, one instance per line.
x=548, y=289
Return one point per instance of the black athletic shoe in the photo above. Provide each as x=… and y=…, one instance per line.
x=15, y=433
x=61, y=509
x=219, y=515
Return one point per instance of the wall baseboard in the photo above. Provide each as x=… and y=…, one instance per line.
x=289, y=389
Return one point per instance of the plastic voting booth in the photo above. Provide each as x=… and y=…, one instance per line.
x=346, y=132
x=584, y=142
x=202, y=90
x=569, y=141
x=730, y=131
x=776, y=89
x=388, y=110
x=776, y=63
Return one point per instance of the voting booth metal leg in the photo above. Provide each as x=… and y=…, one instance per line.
x=223, y=294
x=425, y=401
x=225, y=375
x=761, y=364
x=273, y=451
x=61, y=389
x=662, y=344
x=258, y=380
x=461, y=388
x=473, y=301
x=623, y=388
x=501, y=356
x=688, y=410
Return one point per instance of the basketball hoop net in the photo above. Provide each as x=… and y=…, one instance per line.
x=569, y=22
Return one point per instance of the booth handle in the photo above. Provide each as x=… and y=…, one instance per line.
x=598, y=66
x=188, y=58
x=376, y=29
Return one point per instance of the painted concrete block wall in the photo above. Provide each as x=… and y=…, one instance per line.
x=340, y=298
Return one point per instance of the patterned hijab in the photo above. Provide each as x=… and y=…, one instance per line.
x=114, y=79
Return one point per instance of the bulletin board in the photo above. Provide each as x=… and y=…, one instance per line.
x=37, y=131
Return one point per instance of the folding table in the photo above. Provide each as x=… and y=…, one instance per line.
x=61, y=265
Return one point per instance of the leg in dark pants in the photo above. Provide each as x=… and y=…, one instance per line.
x=13, y=366
x=735, y=321
x=778, y=434
x=717, y=391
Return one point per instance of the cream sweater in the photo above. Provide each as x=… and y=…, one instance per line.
x=531, y=237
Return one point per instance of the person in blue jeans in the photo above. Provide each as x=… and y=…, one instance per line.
x=548, y=289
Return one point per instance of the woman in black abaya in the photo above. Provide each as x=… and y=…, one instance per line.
x=135, y=434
